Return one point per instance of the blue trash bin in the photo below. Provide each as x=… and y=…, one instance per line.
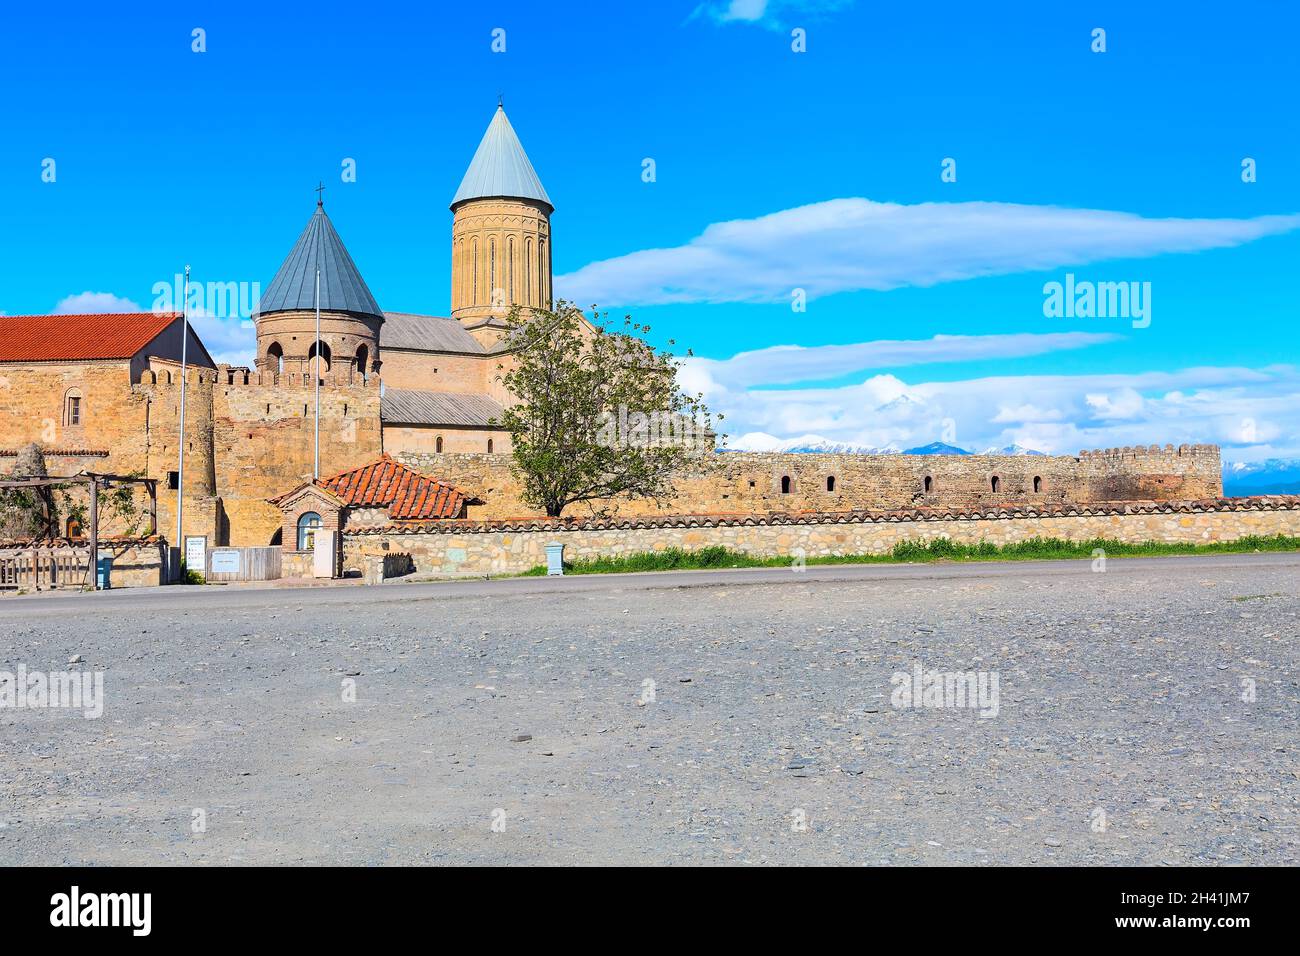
x=104, y=572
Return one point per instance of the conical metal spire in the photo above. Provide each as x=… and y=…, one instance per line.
x=341, y=287
x=500, y=167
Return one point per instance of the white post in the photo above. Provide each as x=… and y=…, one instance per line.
x=315, y=472
x=180, y=466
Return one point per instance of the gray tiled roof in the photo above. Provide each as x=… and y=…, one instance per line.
x=406, y=406
x=341, y=287
x=500, y=167
x=426, y=333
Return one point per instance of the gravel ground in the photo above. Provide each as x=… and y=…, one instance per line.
x=1119, y=693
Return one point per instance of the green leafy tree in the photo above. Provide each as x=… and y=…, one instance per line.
x=599, y=413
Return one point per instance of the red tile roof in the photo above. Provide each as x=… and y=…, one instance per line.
x=45, y=338
x=407, y=494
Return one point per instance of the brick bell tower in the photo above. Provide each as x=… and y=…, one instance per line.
x=350, y=318
x=500, y=235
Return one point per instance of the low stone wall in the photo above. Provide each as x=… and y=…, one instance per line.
x=483, y=547
x=137, y=564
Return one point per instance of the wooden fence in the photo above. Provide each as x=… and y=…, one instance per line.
x=242, y=564
x=40, y=567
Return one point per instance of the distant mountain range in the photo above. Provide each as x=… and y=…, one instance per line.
x=816, y=444
x=1275, y=476
x=809, y=444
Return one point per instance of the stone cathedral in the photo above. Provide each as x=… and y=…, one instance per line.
x=409, y=404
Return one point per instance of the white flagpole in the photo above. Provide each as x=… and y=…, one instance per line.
x=180, y=466
x=316, y=374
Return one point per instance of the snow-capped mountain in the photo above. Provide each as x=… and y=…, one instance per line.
x=1274, y=476
x=1012, y=450
x=810, y=444
x=937, y=448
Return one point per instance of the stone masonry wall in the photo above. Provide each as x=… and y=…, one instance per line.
x=488, y=547
x=264, y=437
x=752, y=483
x=126, y=428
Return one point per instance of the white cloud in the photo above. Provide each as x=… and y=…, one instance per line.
x=1253, y=413
x=227, y=340
x=787, y=364
x=768, y=13
x=846, y=245
x=92, y=302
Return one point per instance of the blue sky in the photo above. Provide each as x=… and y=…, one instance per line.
x=775, y=170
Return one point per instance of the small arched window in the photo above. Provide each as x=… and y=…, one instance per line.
x=308, y=525
x=489, y=446
x=73, y=532
x=275, y=358
x=73, y=409
x=437, y=444
x=830, y=482
x=363, y=359
x=929, y=484
x=1038, y=484
x=785, y=484
x=277, y=538
x=995, y=483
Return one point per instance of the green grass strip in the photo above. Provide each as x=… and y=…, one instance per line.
x=938, y=549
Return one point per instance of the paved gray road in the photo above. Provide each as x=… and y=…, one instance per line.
x=1121, y=733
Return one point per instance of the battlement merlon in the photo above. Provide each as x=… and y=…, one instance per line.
x=1154, y=451
x=228, y=376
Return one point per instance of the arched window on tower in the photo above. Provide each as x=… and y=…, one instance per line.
x=929, y=484
x=275, y=358
x=363, y=360
x=1038, y=484
x=995, y=483
x=785, y=484
x=510, y=269
x=542, y=291
x=528, y=272
x=473, y=256
x=437, y=444
x=492, y=269
x=323, y=365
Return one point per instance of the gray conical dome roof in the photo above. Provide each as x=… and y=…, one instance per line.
x=341, y=287
x=500, y=167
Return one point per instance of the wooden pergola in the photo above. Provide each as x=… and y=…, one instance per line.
x=44, y=489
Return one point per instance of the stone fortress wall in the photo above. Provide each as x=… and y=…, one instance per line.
x=762, y=483
x=250, y=437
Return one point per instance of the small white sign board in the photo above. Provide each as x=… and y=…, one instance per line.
x=225, y=562
x=196, y=552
